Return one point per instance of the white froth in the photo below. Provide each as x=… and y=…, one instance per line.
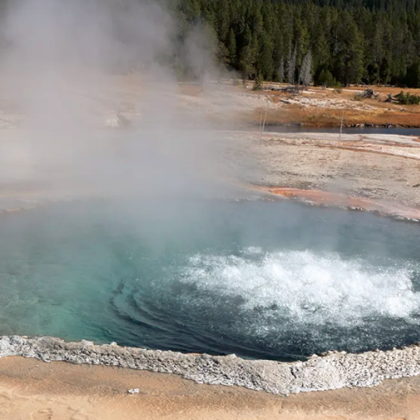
x=307, y=286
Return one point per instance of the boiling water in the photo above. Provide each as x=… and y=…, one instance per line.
x=259, y=279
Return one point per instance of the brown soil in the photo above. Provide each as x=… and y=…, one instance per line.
x=33, y=390
x=313, y=107
x=344, y=104
x=312, y=117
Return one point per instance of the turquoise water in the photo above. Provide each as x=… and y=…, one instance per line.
x=260, y=279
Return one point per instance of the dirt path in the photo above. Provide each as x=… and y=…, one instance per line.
x=34, y=390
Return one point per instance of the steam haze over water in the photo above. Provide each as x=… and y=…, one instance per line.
x=270, y=280
x=177, y=265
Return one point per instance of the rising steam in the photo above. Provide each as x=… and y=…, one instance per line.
x=67, y=66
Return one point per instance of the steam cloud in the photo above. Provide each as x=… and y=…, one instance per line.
x=65, y=66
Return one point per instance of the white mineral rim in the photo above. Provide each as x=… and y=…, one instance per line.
x=333, y=371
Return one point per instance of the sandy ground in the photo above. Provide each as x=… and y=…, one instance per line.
x=33, y=390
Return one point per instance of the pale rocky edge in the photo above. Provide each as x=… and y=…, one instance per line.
x=332, y=371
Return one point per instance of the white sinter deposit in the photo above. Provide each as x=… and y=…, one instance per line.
x=333, y=371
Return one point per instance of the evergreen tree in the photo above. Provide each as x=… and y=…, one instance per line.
x=377, y=41
x=248, y=54
x=232, y=48
x=413, y=75
x=265, y=65
x=348, y=64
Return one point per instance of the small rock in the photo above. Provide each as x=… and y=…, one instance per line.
x=117, y=121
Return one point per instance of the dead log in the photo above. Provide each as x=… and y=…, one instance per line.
x=391, y=98
x=369, y=93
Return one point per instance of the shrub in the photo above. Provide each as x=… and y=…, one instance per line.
x=325, y=78
x=258, y=83
x=407, y=99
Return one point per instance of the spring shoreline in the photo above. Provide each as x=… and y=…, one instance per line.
x=334, y=370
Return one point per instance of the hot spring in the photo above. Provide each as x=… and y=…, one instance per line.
x=272, y=280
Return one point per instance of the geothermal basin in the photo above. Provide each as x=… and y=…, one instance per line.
x=270, y=280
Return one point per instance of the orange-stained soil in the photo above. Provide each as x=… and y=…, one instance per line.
x=328, y=199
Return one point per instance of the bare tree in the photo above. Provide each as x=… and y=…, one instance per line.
x=291, y=66
x=305, y=75
x=281, y=71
